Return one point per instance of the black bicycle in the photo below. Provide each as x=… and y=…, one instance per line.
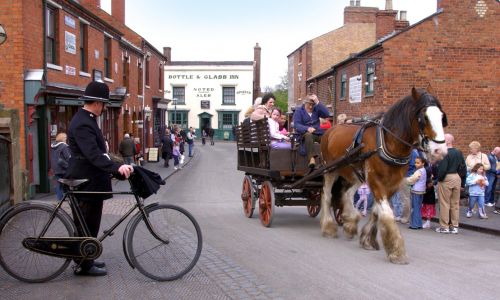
x=39, y=240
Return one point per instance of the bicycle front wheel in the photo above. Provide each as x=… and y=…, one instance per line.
x=164, y=261
x=28, y=221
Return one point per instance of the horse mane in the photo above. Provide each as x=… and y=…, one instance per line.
x=400, y=116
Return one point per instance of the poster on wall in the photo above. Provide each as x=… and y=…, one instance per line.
x=355, y=89
x=69, y=42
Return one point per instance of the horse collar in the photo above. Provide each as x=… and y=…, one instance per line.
x=384, y=153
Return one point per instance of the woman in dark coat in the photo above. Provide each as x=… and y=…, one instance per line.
x=166, y=147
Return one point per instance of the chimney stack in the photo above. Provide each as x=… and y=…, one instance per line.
x=256, y=71
x=402, y=15
x=91, y=3
x=118, y=10
x=167, y=52
x=388, y=4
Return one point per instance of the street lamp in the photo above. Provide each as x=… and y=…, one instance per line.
x=3, y=35
x=175, y=111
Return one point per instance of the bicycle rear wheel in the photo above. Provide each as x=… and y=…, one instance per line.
x=165, y=261
x=28, y=221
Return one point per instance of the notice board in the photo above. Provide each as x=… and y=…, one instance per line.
x=153, y=155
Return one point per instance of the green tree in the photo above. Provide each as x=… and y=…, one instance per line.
x=281, y=93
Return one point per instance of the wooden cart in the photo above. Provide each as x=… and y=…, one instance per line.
x=279, y=177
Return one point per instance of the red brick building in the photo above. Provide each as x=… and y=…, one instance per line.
x=54, y=49
x=362, y=27
x=455, y=51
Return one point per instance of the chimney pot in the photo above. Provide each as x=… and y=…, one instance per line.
x=388, y=4
x=358, y=2
x=351, y=3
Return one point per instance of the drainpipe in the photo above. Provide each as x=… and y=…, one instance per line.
x=334, y=102
x=144, y=130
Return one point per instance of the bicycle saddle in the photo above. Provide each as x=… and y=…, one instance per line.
x=72, y=182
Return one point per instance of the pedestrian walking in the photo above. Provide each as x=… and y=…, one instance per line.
x=176, y=153
x=89, y=160
x=190, y=140
x=127, y=149
x=167, y=146
x=364, y=192
x=59, y=160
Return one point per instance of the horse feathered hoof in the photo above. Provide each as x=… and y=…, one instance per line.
x=399, y=260
x=329, y=230
x=368, y=244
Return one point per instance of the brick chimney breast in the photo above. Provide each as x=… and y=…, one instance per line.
x=118, y=10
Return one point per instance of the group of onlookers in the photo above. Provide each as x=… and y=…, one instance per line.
x=173, y=144
x=476, y=175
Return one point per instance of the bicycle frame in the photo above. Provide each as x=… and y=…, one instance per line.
x=70, y=196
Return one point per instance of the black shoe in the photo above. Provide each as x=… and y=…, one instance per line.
x=99, y=264
x=93, y=271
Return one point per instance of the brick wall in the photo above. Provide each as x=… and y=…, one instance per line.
x=12, y=63
x=456, y=53
x=336, y=45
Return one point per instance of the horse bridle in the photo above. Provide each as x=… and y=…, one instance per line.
x=400, y=161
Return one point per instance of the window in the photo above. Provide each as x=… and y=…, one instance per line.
x=83, y=47
x=228, y=95
x=51, y=35
x=229, y=119
x=147, y=71
x=179, y=93
x=107, y=56
x=343, y=85
x=139, y=78
x=160, y=78
x=370, y=75
x=178, y=117
x=126, y=72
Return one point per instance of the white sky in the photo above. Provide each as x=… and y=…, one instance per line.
x=222, y=30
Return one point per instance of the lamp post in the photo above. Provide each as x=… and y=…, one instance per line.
x=3, y=35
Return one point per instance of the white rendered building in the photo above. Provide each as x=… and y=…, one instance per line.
x=209, y=94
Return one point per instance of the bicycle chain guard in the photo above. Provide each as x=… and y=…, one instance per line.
x=70, y=247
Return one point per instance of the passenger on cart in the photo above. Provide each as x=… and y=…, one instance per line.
x=306, y=123
x=278, y=140
x=264, y=110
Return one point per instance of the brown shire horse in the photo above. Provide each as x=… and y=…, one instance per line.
x=415, y=119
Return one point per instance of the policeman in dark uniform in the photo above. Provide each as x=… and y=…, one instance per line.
x=89, y=160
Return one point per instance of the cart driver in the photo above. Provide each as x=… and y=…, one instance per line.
x=306, y=122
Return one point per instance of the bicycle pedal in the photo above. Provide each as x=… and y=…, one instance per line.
x=106, y=232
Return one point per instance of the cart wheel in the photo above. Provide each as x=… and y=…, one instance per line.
x=266, y=203
x=248, y=196
x=337, y=213
x=313, y=210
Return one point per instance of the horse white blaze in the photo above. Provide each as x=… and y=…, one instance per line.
x=435, y=117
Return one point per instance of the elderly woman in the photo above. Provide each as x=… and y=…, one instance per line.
x=252, y=108
x=476, y=157
x=264, y=110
